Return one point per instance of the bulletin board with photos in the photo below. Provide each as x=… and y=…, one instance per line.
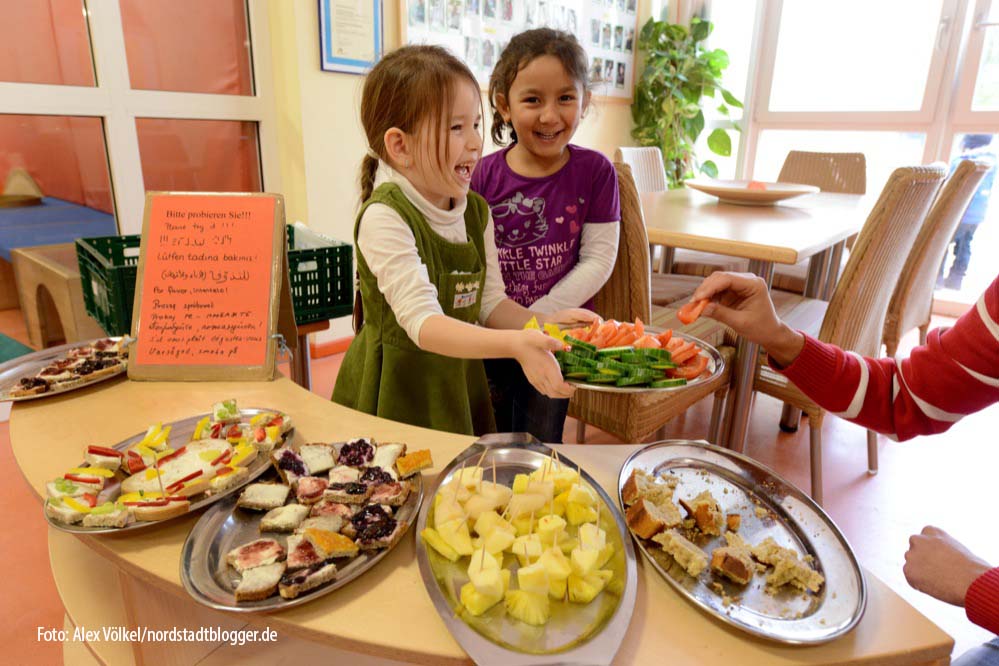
x=478, y=30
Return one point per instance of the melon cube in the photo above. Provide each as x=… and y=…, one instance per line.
x=455, y=534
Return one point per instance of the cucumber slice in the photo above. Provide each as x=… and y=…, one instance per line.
x=653, y=352
x=610, y=372
x=647, y=373
x=632, y=381
x=614, y=351
x=577, y=373
x=583, y=352
x=601, y=379
x=666, y=383
x=662, y=366
x=572, y=358
x=614, y=365
x=579, y=344
x=634, y=359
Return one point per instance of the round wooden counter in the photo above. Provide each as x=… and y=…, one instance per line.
x=386, y=613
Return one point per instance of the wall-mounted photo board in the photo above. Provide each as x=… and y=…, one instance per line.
x=208, y=287
x=478, y=30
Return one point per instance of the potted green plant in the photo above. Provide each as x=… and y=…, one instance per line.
x=679, y=73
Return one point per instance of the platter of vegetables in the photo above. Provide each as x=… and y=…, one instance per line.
x=626, y=357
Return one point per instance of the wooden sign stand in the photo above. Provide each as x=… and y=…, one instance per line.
x=211, y=279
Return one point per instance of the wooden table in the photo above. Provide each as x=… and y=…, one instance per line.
x=811, y=227
x=134, y=579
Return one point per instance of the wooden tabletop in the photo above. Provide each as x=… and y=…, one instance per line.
x=387, y=612
x=785, y=233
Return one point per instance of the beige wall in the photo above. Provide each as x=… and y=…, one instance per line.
x=320, y=155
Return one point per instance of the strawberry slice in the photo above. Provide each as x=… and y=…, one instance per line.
x=235, y=432
x=259, y=434
x=276, y=421
x=217, y=430
x=134, y=462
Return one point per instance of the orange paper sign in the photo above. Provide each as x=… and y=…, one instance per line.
x=207, y=280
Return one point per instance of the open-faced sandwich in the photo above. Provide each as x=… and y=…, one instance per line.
x=150, y=480
x=334, y=501
x=83, y=364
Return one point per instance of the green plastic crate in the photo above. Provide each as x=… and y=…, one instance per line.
x=321, y=273
x=107, y=274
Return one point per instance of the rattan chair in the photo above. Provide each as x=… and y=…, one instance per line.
x=650, y=176
x=854, y=318
x=632, y=417
x=845, y=173
x=913, y=297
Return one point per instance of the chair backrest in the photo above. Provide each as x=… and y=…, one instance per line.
x=856, y=314
x=910, y=304
x=646, y=167
x=830, y=172
x=627, y=293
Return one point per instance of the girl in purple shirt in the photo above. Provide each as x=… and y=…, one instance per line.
x=555, y=206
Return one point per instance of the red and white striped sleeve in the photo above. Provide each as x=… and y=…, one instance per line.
x=954, y=374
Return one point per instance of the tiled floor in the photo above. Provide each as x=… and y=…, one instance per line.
x=920, y=483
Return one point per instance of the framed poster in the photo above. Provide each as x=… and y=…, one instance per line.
x=478, y=30
x=350, y=35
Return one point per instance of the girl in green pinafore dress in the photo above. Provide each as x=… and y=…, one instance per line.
x=432, y=295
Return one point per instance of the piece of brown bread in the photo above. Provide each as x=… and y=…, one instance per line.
x=647, y=519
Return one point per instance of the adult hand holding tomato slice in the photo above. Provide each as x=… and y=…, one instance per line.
x=689, y=313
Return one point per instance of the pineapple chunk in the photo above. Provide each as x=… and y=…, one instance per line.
x=470, y=477
x=592, y=537
x=559, y=503
x=489, y=521
x=549, y=527
x=499, y=493
x=556, y=564
x=520, y=483
x=497, y=541
x=478, y=562
x=524, y=504
x=527, y=548
x=583, y=589
x=478, y=504
x=564, y=478
x=577, y=514
x=584, y=561
x=476, y=602
x=455, y=490
x=489, y=583
x=581, y=494
x=557, y=588
x=606, y=553
x=568, y=544
x=524, y=525
x=434, y=540
x=455, y=534
x=447, y=511
x=544, y=488
x=533, y=578
x=528, y=607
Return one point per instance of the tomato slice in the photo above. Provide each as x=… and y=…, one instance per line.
x=691, y=370
x=685, y=353
x=689, y=313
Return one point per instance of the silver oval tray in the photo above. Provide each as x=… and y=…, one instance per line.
x=575, y=634
x=769, y=506
x=28, y=365
x=180, y=434
x=715, y=366
x=212, y=582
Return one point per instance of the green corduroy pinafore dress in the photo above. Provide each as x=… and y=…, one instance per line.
x=384, y=373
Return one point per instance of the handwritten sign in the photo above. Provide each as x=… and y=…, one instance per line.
x=209, y=282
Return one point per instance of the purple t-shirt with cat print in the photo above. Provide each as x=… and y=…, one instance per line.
x=539, y=221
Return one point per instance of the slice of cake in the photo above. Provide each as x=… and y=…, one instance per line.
x=641, y=484
x=706, y=513
x=687, y=554
x=410, y=464
x=263, y=496
x=789, y=569
x=647, y=519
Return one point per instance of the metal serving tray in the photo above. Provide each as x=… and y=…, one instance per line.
x=180, y=434
x=715, y=366
x=28, y=365
x=769, y=506
x=212, y=582
x=576, y=634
